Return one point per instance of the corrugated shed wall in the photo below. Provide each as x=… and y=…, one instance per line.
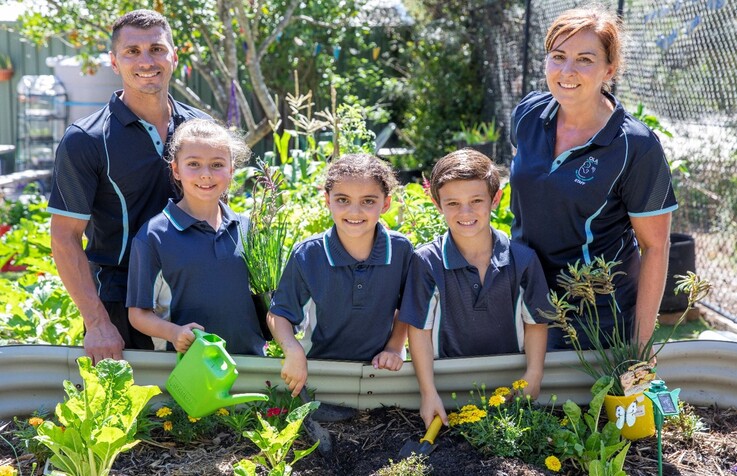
x=27, y=59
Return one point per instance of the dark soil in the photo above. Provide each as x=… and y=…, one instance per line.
x=368, y=442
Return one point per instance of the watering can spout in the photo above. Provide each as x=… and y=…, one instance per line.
x=231, y=400
x=201, y=381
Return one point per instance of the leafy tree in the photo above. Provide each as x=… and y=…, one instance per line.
x=244, y=50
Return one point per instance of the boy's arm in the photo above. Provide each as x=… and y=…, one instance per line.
x=392, y=357
x=294, y=370
x=536, y=341
x=420, y=346
x=152, y=325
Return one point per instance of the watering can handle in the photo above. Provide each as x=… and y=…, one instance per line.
x=197, y=334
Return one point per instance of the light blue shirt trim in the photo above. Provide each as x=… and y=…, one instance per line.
x=587, y=227
x=79, y=216
x=388, y=246
x=445, y=253
x=176, y=224
x=654, y=213
x=123, y=204
x=155, y=137
x=327, y=249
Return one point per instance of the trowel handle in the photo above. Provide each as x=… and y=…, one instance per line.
x=433, y=430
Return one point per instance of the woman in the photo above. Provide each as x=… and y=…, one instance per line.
x=588, y=179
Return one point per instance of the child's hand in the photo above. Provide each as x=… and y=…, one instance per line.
x=294, y=372
x=388, y=360
x=431, y=406
x=183, y=337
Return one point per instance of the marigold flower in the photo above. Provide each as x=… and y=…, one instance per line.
x=7, y=470
x=519, y=384
x=223, y=412
x=502, y=391
x=35, y=421
x=192, y=419
x=552, y=463
x=163, y=412
x=496, y=400
x=168, y=425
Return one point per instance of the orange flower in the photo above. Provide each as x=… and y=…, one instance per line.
x=35, y=421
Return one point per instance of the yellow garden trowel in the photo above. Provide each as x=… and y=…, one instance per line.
x=426, y=445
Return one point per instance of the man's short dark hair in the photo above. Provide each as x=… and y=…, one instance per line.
x=143, y=19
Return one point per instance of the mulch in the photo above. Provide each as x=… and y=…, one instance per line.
x=369, y=441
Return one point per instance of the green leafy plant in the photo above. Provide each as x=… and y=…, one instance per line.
x=5, y=61
x=275, y=444
x=26, y=430
x=478, y=133
x=686, y=423
x=182, y=428
x=99, y=421
x=590, y=450
x=507, y=423
x=267, y=242
x=414, y=465
x=612, y=353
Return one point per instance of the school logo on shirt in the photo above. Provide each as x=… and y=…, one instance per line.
x=586, y=172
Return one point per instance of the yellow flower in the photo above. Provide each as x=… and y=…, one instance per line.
x=35, y=421
x=7, y=470
x=496, y=400
x=502, y=391
x=564, y=421
x=163, y=412
x=192, y=419
x=454, y=419
x=552, y=463
x=223, y=412
x=469, y=408
x=519, y=384
x=168, y=425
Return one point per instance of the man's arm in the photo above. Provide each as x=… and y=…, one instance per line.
x=102, y=339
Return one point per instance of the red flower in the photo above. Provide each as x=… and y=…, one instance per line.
x=273, y=412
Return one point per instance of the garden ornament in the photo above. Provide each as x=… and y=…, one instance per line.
x=426, y=445
x=665, y=404
x=203, y=376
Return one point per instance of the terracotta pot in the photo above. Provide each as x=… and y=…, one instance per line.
x=633, y=415
x=6, y=74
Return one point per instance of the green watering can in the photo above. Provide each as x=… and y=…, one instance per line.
x=201, y=381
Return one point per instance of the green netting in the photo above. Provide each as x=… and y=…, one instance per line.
x=681, y=65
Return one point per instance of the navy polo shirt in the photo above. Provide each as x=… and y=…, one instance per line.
x=109, y=170
x=348, y=305
x=577, y=206
x=444, y=293
x=181, y=267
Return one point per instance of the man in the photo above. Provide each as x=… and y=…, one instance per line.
x=110, y=177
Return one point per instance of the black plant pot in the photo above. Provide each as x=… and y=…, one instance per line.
x=682, y=259
x=262, y=302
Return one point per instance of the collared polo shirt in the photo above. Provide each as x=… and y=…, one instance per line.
x=579, y=205
x=109, y=170
x=444, y=293
x=347, y=305
x=199, y=274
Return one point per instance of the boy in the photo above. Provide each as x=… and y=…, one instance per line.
x=471, y=291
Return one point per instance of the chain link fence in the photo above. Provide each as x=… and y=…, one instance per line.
x=681, y=65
